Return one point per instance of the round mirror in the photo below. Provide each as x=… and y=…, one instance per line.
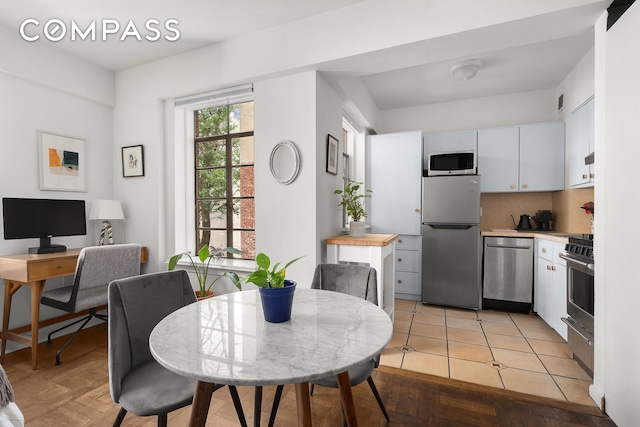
x=285, y=162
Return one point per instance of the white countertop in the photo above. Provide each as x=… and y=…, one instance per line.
x=225, y=339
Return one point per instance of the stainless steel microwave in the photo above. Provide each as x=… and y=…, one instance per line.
x=451, y=163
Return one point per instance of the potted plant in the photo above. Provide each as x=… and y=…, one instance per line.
x=205, y=254
x=276, y=292
x=353, y=201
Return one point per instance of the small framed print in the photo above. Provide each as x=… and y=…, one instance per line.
x=332, y=155
x=132, y=161
x=63, y=165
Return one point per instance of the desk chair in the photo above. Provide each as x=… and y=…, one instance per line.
x=357, y=281
x=136, y=381
x=97, y=266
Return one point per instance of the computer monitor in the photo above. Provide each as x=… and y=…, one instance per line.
x=43, y=219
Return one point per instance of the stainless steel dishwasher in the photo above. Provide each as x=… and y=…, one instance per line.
x=508, y=273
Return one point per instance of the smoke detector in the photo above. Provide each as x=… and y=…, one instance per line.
x=466, y=70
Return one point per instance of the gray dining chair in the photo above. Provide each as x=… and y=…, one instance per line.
x=96, y=267
x=358, y=281
x=136, y=381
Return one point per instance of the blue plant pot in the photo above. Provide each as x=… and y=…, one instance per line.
x=277, y=302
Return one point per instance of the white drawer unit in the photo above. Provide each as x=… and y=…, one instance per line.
x=407, y=267
x=550, y=284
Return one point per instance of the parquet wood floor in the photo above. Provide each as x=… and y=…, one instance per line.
x=76, y=393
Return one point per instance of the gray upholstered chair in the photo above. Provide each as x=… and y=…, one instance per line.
x=360, y=282
x=97, y=266
x=136, y=381
x=357, y=281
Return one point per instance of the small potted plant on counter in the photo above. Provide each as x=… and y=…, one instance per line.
x=276, y=292
x=205, y=255
x=353, y=201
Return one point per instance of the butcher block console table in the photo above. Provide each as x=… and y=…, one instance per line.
x=377, y=250
x=33, y=270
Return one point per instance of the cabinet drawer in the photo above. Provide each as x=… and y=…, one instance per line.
x=545, y=250
x=558, y=248
x=52, y=268
x=407, y=261
x=408, y=242
x=407, y=283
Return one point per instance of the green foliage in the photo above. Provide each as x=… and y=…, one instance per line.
x=211, y=160
x=202, y=269
x=262, y=276
x=352, y=200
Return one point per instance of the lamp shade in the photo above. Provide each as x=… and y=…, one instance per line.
x=106, y=209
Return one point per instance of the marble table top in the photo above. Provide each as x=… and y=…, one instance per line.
x=225, y=339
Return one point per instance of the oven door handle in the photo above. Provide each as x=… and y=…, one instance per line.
x=588, y=265
x=577, y=329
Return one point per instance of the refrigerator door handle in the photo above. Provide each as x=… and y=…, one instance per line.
x=450, y=226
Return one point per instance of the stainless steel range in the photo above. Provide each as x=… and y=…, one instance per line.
x=580, y=299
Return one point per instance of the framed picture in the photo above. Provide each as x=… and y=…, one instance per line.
x=63, y=164
x=332, y=155
x=132, y=161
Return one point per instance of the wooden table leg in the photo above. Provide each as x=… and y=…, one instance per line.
x=257, y=406
x=36, y=293
x=5, y=316
x=344, y=384
x=201, y=402
x=303, y=403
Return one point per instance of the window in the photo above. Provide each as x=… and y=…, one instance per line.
x=224, y=178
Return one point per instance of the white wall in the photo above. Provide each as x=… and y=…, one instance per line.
x=618, y=237
x=478, y=113
x=55, y=92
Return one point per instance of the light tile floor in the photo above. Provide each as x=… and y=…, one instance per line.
x=512, y=351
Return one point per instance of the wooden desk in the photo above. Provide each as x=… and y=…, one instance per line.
x=33, y=270
x=377, y=250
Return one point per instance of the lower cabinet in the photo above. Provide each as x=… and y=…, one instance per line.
x=550, y=284
x=407, y=265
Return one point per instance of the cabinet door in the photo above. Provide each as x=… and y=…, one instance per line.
x=396, y=182
x=449, y=141
x=581, y=143
x=542, y=157
x=559, y=300
x=498, y=159
x=544, y=283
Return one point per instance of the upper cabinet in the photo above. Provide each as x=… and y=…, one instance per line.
x=522, y=158
x=449, y=141
x=395, y=178
x=581, y=144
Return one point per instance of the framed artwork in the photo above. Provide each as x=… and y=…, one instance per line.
x=63, y=162
x=132, y=161
x=332, y=155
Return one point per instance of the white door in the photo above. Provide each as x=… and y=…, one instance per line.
x=396, y=182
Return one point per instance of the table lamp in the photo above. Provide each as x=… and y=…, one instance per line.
x=106, y=210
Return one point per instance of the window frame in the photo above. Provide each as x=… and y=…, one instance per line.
x=229, y=168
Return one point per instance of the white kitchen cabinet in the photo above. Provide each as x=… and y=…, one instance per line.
x=407, y=266
x=581, y=143
x=550, y=285
x=394, y=174
x=498, y=164
x=449, y=141
x=522, y=158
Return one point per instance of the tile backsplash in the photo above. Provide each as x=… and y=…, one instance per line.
x=497, y=209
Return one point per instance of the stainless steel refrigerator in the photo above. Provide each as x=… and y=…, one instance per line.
x=451, y=242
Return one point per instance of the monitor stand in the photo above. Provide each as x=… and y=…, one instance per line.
x=46, y=247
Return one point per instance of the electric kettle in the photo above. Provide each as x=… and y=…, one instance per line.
x=524, y=223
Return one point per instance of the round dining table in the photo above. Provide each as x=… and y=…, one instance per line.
x=225, y=340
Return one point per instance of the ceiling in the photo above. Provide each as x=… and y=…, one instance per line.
x=527, y=67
